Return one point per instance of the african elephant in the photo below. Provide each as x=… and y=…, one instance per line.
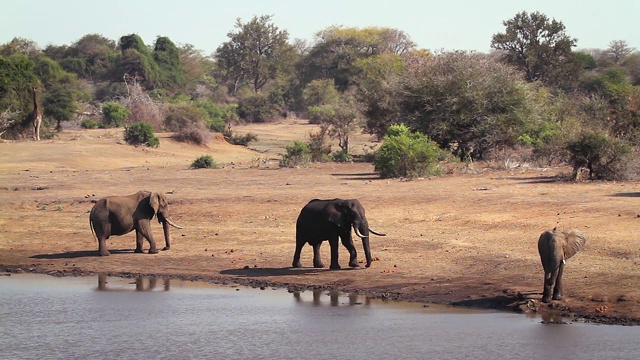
x=119, y=215
x=555, y=247
x=322, y=220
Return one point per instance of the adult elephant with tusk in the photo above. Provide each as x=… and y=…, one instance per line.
x=322, y=220
x=119, y=215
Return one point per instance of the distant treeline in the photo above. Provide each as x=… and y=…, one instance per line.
x=533, y=94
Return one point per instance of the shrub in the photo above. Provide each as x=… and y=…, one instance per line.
x=218, y=115
x=204, y=162
x=195, y=134
x=114, y=114
x=341, y=156
x=320, y=150
x=141, y=133
x=183, y=116
x=257, y=108
x=407, y=154
x=89, y=123
x=298, y=154
x=605, y=157
x=243, y=140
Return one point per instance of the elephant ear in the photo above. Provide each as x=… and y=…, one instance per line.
x=574, y=242
x=154, y=202
x=335, y=215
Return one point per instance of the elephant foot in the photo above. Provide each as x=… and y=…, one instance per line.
x=138, y=251
x=166, y=248
x=335, y=267
x=557, y=297
x=354, y=264
x=296, y=264
x=368, y=264
x=153, y=251
x=545, y=299
x=104, y=253
x=318, y=265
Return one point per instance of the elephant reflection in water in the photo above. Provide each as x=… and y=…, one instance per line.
x=334, y=298
x=139, y=282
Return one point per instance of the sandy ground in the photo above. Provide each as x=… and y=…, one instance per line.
x=468, y=238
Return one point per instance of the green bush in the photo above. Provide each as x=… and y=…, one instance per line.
x=298, y=154
x=114, y=114
x=141, y=133
x=407, y=154
x=320, y=150
x=218, y=115
x=257, y=108
x=605, y=157
x=341, y=156
x=204, y=162
x=89, y=123
x=183, y=116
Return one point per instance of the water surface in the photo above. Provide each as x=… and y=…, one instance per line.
x=113, y=318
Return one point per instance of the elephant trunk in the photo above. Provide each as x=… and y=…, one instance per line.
x=167, y=234
x=364, y=235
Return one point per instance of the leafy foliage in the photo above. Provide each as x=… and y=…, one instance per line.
x=406, y=154
x=204, y=162
x=254, y=54
x=605, y=157
x=467, y=100
x=534, y=44
x=141, y=133
x=114, y=114
x=297, y=154
x=258, y=108
x=88, y=123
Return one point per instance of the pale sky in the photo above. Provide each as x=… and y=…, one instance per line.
x=441, y=25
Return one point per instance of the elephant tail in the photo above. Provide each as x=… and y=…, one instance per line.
x=92, y=230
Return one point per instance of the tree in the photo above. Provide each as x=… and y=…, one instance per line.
x=378, y=83
x=167, y=55
x=60, y=105
x=534, y=44
x=338, y=119
x=256, y=53
x=136, y=62
x=20, y=45
x=91, y=57
x=618, y=50
x=337, y=50
x=465, y=100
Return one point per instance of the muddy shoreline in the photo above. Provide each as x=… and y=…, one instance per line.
x=554, y=312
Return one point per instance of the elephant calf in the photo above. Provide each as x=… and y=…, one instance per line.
x=555, y=247
x=119, y=215
x=322, y=220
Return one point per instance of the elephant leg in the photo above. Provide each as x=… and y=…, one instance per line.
x=296, y=255
x=557, y=289
x=548, y=283
x=333, y=242
x=347, y=242
x=139, y=242
x=101, y=234
x=317, y=260
x=145, y=229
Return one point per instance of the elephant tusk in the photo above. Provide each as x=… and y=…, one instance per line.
x=174, y=225
x=377, y=233
x=358, y=233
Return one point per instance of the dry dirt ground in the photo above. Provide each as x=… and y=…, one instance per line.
x=468, y=238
